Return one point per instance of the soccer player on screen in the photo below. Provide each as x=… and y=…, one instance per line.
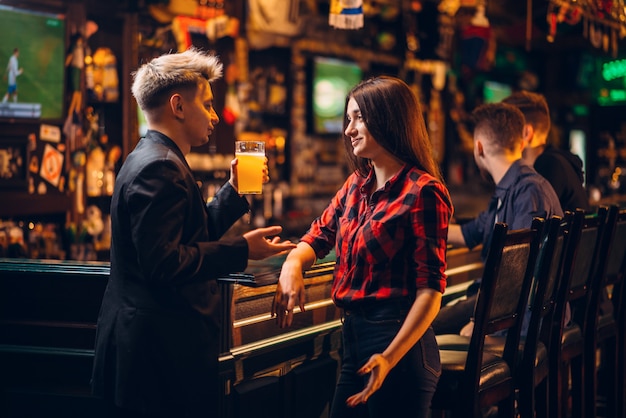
x=12, y=70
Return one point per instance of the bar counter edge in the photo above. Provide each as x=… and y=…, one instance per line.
x=48, y=314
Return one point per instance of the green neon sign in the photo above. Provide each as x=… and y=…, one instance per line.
x=612, y=96
x=614, y=69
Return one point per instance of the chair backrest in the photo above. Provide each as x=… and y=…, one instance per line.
x=545, y=284
x=582, y=247
x=590, y=257
x=582, y=251
x=598, y=276
x=503, y=296
x=616, y=259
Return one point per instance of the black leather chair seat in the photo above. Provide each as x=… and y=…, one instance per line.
x=493, y=370
x=542, y=363
x=452, y=342
x=571, y=342
x=607, y=327
x=495, y=345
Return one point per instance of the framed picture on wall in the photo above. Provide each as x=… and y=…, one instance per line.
x=14, y=163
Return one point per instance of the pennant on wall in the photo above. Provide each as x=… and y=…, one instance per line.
x=346, y=14
x=51, y=165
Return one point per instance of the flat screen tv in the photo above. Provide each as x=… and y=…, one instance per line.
x=332, y=79
x=39, y=39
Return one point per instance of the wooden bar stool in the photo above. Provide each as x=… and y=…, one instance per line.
x=618, y=298
x=602, y=322
x=532, y=382
x=475, y=379
x=568, y=339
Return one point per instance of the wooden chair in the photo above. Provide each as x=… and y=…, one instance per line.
x=602, y=323
x=532, y=382
x=534, y=343
x=582, y=255
x=616, y=276
x=474, y=379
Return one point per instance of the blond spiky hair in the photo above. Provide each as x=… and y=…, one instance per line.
x=154, y=80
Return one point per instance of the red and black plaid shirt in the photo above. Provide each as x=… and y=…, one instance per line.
x=387, y=245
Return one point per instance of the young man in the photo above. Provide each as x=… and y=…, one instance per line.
x=520, y=195
x=157, y=340
x=563, y=169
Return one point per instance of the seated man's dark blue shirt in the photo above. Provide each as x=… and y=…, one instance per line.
x=521, y=195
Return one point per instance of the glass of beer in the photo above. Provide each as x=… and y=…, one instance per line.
x=250, y=161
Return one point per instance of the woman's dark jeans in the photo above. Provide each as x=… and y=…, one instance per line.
x=408, y=388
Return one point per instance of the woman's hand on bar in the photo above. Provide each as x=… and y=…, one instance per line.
x=289, y=292
x=290, y=287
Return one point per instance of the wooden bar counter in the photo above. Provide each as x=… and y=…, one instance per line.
x=48, y=314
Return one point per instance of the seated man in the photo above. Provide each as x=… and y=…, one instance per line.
x=563, y=169
x=520, y=195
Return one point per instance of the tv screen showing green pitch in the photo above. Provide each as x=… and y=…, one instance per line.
x=32, y=64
